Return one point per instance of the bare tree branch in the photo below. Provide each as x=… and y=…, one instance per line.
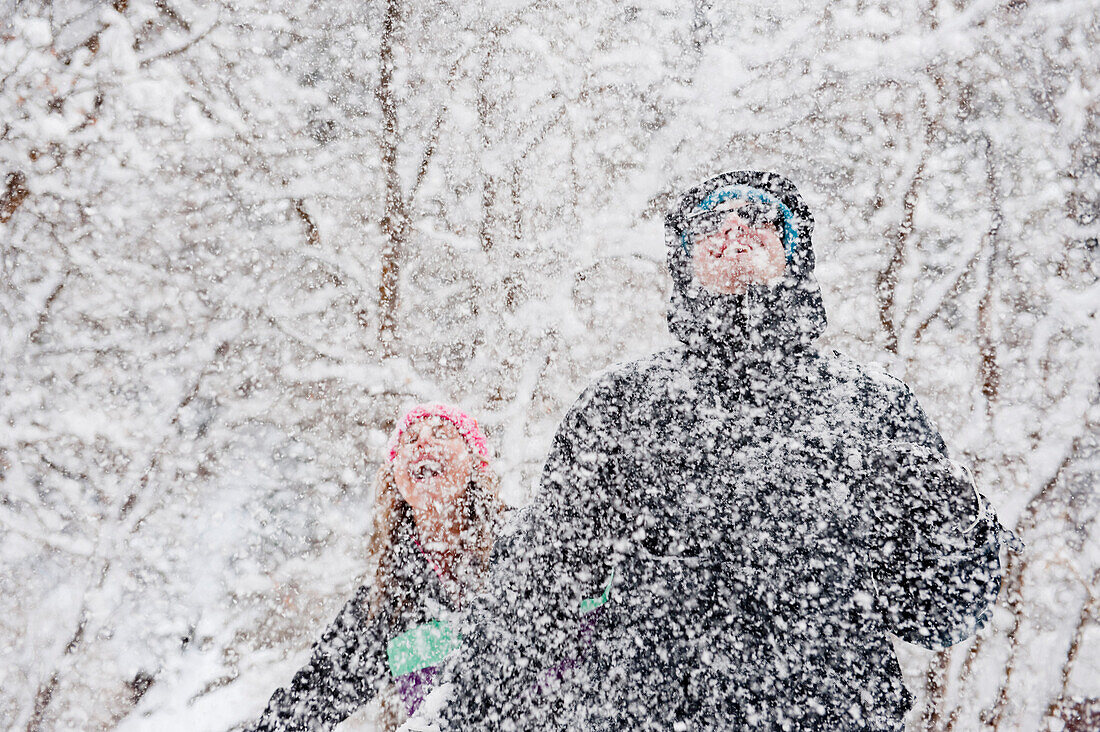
x=44, y=316
x=313, y=235
x=887, y=280
x=15, y=192
x=963, y=275
x=395, y=217
x=990, y=372
x=1012, y=585
x=45, y=693
x=181, y=49
x=1087, y=618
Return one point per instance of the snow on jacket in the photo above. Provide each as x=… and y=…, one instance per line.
x=359, y=656
x=768, y=513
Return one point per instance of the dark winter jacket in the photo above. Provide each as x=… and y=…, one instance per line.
x=359, y=656
x=768, y=512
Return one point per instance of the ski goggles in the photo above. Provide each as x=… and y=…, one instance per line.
x=755, y=214
x=755, y=207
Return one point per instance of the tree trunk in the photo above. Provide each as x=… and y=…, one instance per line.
x=395, y=217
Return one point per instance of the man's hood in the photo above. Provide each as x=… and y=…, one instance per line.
x=764, y=322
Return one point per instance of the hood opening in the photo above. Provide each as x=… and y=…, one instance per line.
x=766, y=321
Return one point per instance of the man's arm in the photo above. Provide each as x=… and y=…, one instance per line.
x=557, y=554
x=933, y=540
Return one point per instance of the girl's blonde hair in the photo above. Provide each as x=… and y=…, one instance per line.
x=393, y=525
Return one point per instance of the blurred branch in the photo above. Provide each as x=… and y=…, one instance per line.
x=1011, y=587
x=181, y=49
x=395, y=221
x=545, y=130
x=102, y=556
x=990, y=373
x=300, y=340
x=395, y=216
x=171, y=12
x=15, y=69
x=429, y=150
x=154, y=462
x=1014, y=594
x=44, y=316
x=437, y=124
x=962, y=275
x=44, y=695
x=1087, y=617
x=935, y=681
x=18, y=525
x=313, y=235
x=488, y=180
x=59, y=469
x=15, y=192
x=887, y=280
x=90, y=42
x=1017, y=564
x=1029, y=515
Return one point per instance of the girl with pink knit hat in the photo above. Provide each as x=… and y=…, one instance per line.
x=436, y=515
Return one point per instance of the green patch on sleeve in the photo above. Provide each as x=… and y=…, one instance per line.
x=430, y=643
x=425, y=645
x=592, y=603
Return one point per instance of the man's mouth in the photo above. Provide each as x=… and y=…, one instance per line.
x=425, y=469
x=731, y=248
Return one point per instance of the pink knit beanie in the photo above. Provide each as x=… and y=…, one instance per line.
x=467, y=426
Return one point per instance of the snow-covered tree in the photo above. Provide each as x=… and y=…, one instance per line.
x=236, y=237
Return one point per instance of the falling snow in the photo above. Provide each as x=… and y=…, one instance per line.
x=238, y=239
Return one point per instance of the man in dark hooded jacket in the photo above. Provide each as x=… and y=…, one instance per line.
x=754, y=515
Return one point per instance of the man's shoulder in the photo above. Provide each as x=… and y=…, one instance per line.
x=630, y=381
x=884, y=401
x=869, y=377
x=640, y=372
x=658, y=363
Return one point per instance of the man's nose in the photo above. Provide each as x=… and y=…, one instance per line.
x=737, y=226
x=729, y=228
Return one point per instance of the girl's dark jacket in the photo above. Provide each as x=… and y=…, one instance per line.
x=348, y=666
x=766, y=513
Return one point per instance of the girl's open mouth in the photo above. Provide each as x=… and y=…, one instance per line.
x=427, y=468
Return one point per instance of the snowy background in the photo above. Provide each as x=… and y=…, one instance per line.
x=238, y=236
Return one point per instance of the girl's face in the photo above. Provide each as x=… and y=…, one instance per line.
x=432, y=464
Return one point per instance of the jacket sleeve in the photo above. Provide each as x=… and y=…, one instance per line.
x=932, y=539
x=344, y=670
x=557, y=553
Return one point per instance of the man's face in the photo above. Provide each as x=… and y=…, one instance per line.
x=732, y=250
